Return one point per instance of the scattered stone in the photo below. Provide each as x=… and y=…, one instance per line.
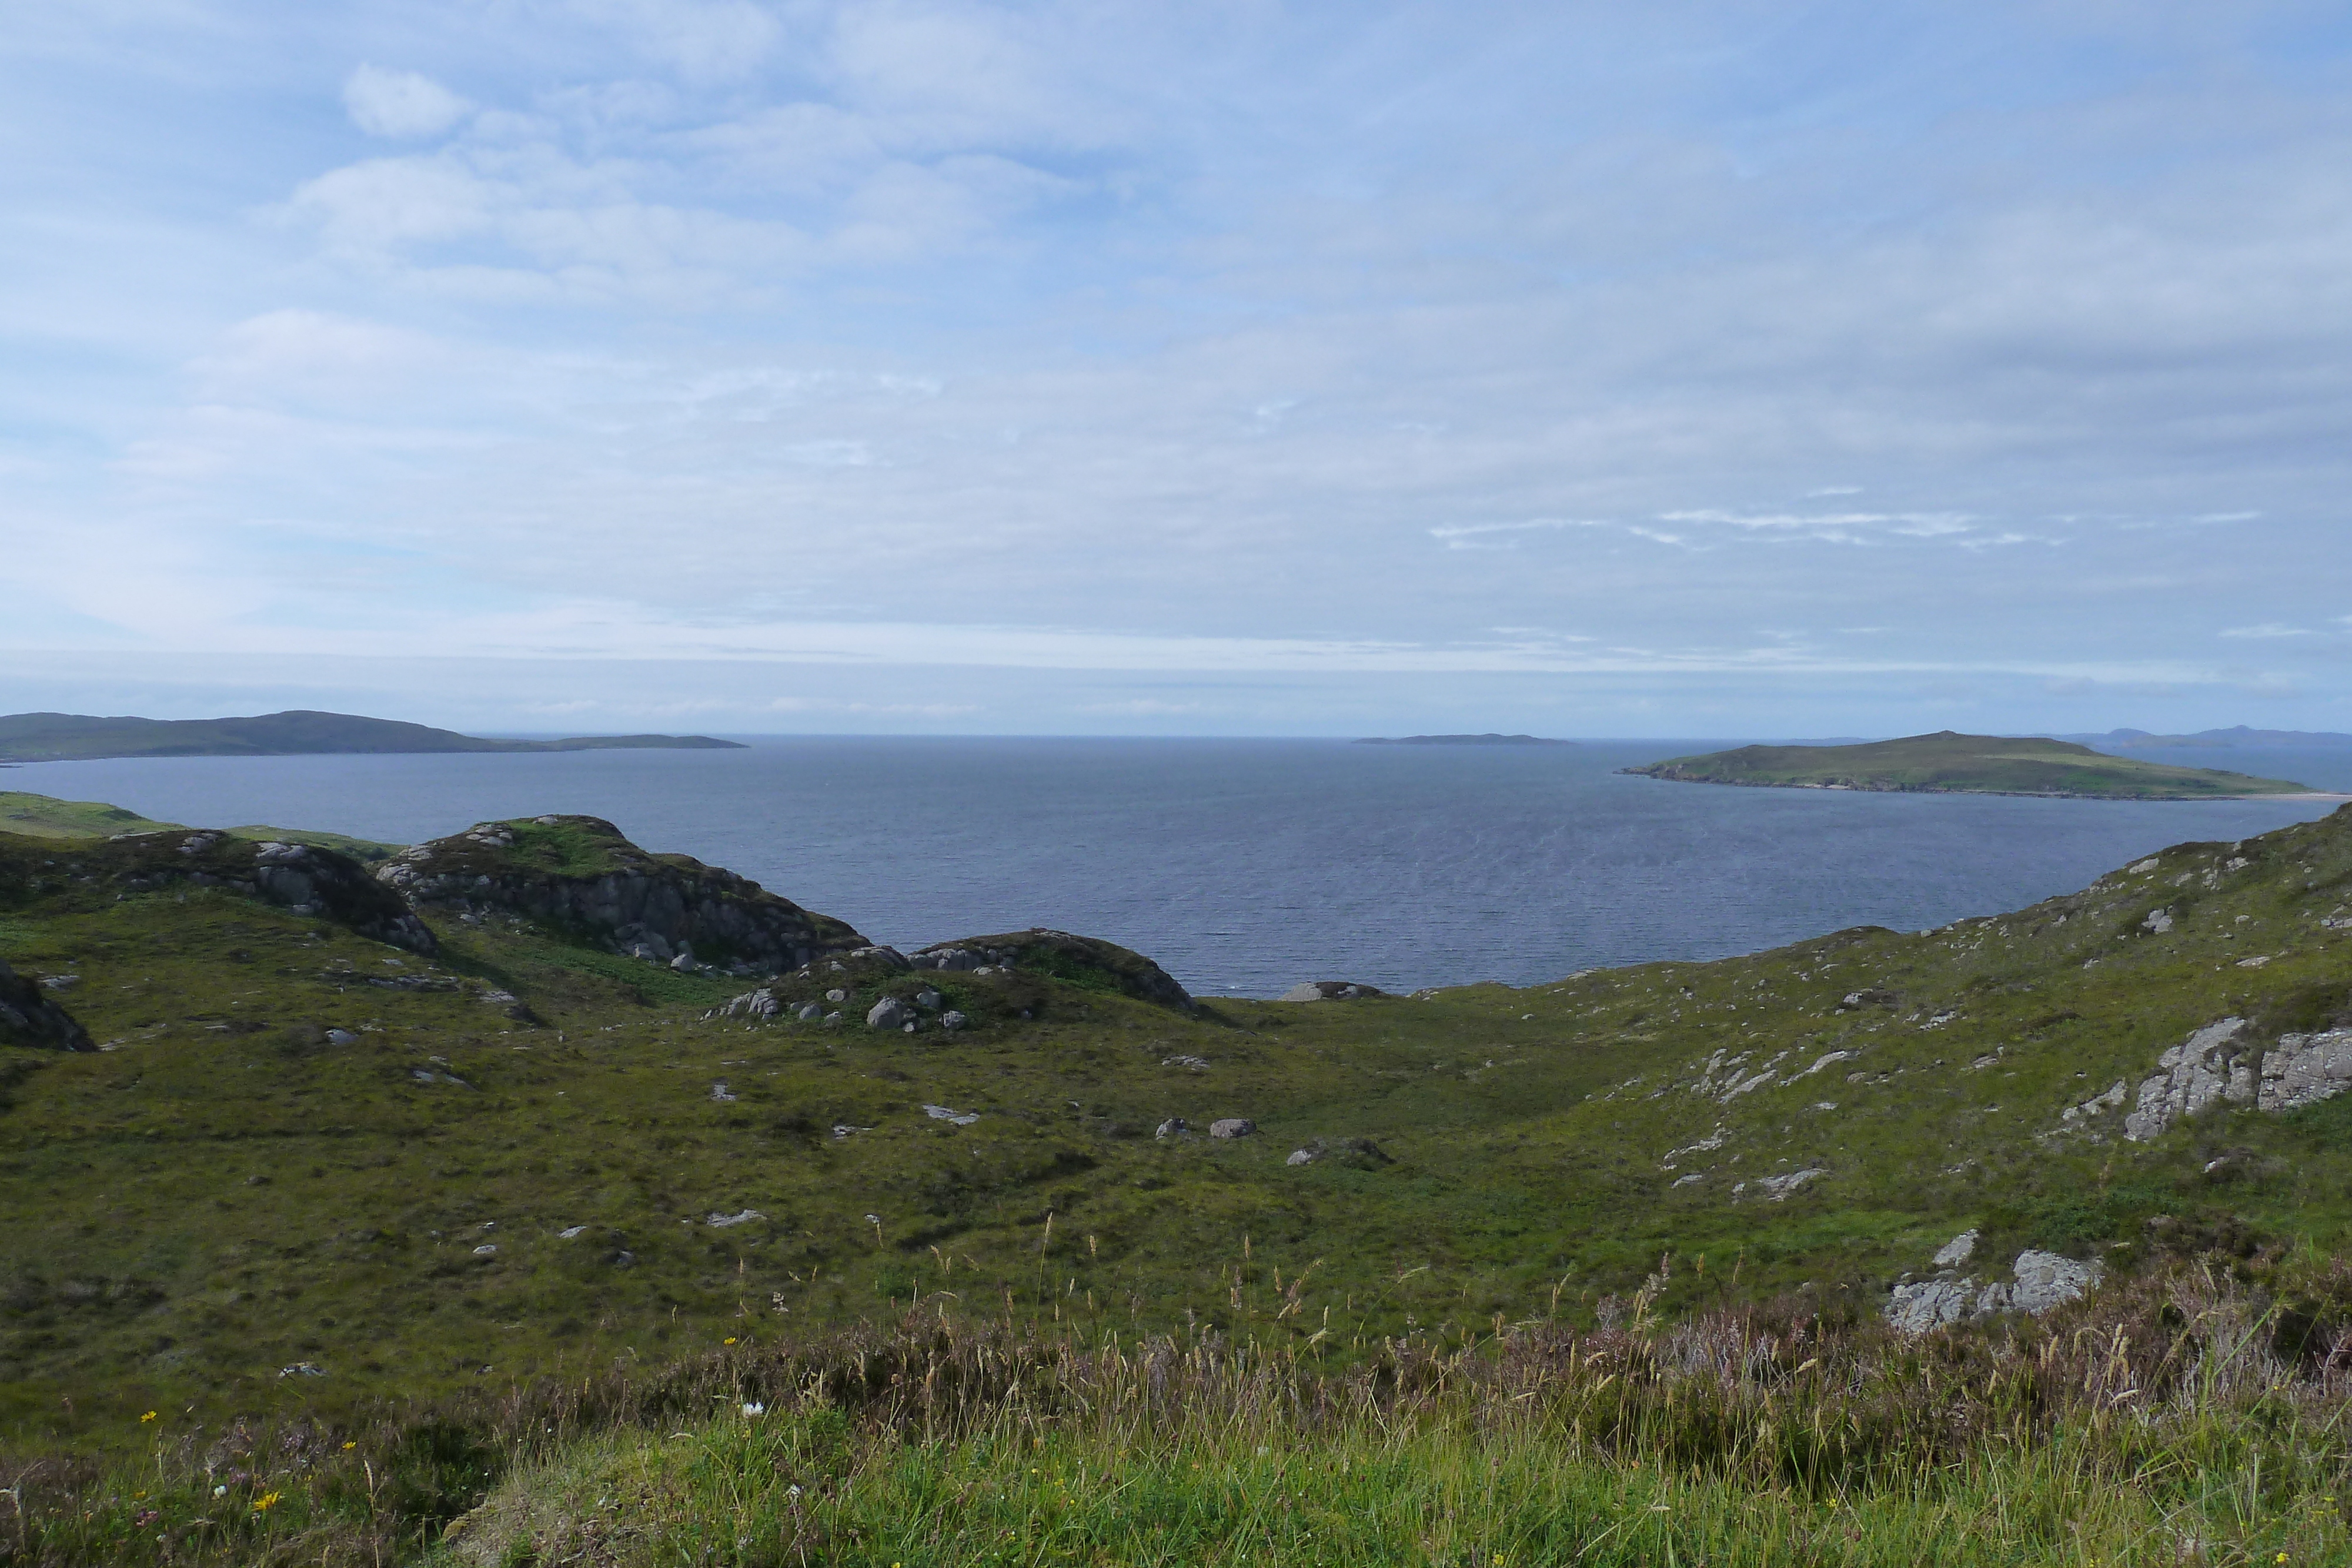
x=341, y=1037
x=809, y=1012
x=1957, y=1252
x=1362, y=1154
x=842, y=1129
x=1174, y=1127
x=928, y=999
x=574, y=1232
x=1685, y=1181
x=486, y=1250
x=1196, y=1063
x=889, y=1013
x=2044, y=1281
x=1328, y=992
x=1778, y=1188
x=2158, y=923
x=684, y=962
x=302, y=1369
x=943, y=1113
x=952, y=1020
x=836, y=995
x=1869, y=995
x=1233, y=1128
x=722, y=1094
x=722, y=1221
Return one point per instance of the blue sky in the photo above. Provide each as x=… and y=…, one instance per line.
x=1701, y=369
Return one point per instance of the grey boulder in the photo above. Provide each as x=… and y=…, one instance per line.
x=889, y=1013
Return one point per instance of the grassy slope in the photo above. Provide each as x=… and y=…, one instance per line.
x=46, y=817
x=221, y=1196
x=1976, y=764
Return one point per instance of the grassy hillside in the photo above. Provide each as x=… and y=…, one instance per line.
x=46, y=817
x=1971, y=764
x=297, y=1142
x=65, y=737
x=309, y=1182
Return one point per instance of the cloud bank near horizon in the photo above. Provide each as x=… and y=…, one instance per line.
x=1227, y=367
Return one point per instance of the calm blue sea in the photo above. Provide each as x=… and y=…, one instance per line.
x=1244, y=866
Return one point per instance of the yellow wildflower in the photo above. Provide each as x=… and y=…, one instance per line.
x=265, y=1502
x=147, y=1417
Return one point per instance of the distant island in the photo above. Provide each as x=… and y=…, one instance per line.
x=2236, y=735
x=78, y=737
x=1461, y=740
x=1951, y=763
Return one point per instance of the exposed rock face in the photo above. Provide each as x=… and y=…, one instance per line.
x=2209, y=1065
x=2218, y=1065
x=28, y=1018
x=302, y=879
x=1330, y=991
x=2304, y=1067
x=1087, y=961
x=579, y=872
x=2044, y=1281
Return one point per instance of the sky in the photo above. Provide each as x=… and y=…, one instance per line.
x=1686, y=368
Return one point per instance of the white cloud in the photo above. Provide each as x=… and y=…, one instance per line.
x=2268, y=629
x=400, y=103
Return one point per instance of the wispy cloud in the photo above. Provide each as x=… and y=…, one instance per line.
x=2269, y=628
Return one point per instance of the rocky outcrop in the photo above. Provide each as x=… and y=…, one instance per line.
x=302, y=879
x=29, y=1018
x=1328, y=992
x=2041, y=1281
x=580, y=874
x=2210, y=1065
x=2218, y=1065
x=1088, y=962
x=1358, y=1154
x=2303, y=1069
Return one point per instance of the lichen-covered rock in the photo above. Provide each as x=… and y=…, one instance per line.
x=1233, y=1128
x=2042, y=1280
x=889, y=1013
x=2212, y=1065
x=2303, y=1069
x=1084, y=961
x=581, y=874
x=28, y=1018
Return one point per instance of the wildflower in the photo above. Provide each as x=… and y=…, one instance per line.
x=265, y=1502
x=728, y=1340
x=349, y=1446
x=147, y=1417
x=755, y=1408
x=220, y=1491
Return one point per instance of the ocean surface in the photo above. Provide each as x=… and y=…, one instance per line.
x=1246, y=866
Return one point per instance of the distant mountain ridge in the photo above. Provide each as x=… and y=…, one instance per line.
x=298, y=732
x=1488, y=739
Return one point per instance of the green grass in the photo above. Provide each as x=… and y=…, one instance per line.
x=1974, y=764
x=2159, y=1426
x=46, y=817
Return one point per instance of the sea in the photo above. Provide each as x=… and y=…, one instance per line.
x=1246, y=866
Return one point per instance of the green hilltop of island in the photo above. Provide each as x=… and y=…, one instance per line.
x=80, y=737
x=1951, y=763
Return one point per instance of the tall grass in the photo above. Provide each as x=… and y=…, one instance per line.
x=2174, y=1419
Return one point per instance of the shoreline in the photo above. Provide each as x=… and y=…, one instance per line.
x=2305, y=795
